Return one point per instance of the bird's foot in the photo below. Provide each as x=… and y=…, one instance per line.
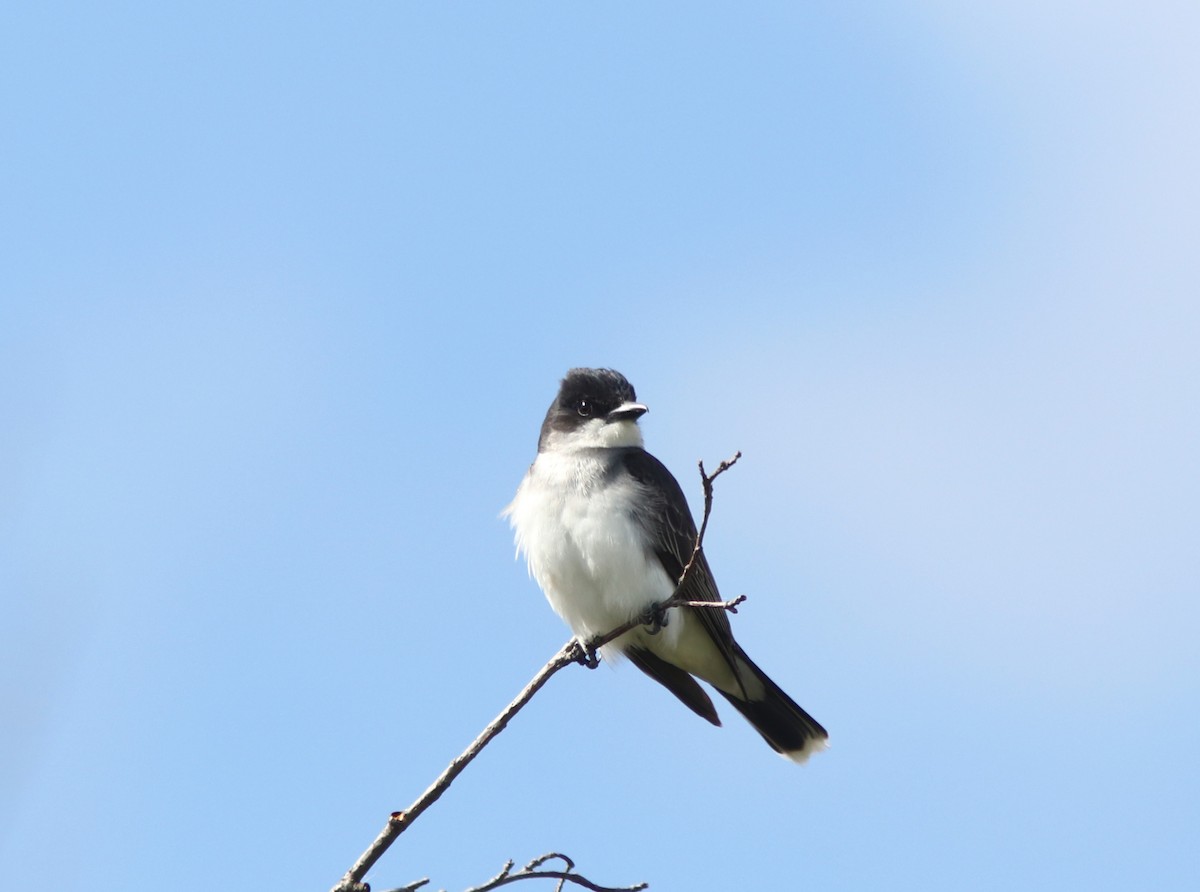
x=585, y=654
x=655, y=619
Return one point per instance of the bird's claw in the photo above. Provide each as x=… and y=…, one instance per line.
x=655, y=619
x=585, y=654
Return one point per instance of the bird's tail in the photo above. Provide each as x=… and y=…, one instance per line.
x=790, y=731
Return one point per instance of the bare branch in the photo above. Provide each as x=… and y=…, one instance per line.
x=399, y=821
x=549, y=856
x=707, y=483
x=532, y=871
x=574, y=651
x=411, y=887
x=731, y=605
x=504, y=873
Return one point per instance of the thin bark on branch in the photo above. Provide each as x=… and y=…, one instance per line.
x=399, y=821
x=573, y=651
x=532, y=871
x=731, y=605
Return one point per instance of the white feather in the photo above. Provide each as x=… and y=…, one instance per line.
x=590, y=558
x=581, y=545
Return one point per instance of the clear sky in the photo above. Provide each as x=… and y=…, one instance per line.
x=287, y=288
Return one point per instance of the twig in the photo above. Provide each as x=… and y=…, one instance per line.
x=708, y=500
x=731, y=605
x=399, y=821
x=531, y=872
x=572, y=652
x=411, y=887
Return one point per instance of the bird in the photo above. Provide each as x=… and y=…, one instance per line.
x=606, y=532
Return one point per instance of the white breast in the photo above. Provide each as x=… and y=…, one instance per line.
x=581, y=546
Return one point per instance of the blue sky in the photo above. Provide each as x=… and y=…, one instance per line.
x=288, y=288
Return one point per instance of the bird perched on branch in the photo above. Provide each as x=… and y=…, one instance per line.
x=607, y=533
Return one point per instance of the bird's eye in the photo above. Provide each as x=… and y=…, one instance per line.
x=584, y=408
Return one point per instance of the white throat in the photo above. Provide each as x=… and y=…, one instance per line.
x=596, y=433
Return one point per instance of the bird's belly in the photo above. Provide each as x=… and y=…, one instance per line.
x=590, y=559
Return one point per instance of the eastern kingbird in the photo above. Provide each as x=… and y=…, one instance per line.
x=606, y=531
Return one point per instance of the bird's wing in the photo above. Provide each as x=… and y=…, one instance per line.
x=664, y=516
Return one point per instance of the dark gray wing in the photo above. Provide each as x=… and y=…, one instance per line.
x=664, y=515
x=675, y=680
